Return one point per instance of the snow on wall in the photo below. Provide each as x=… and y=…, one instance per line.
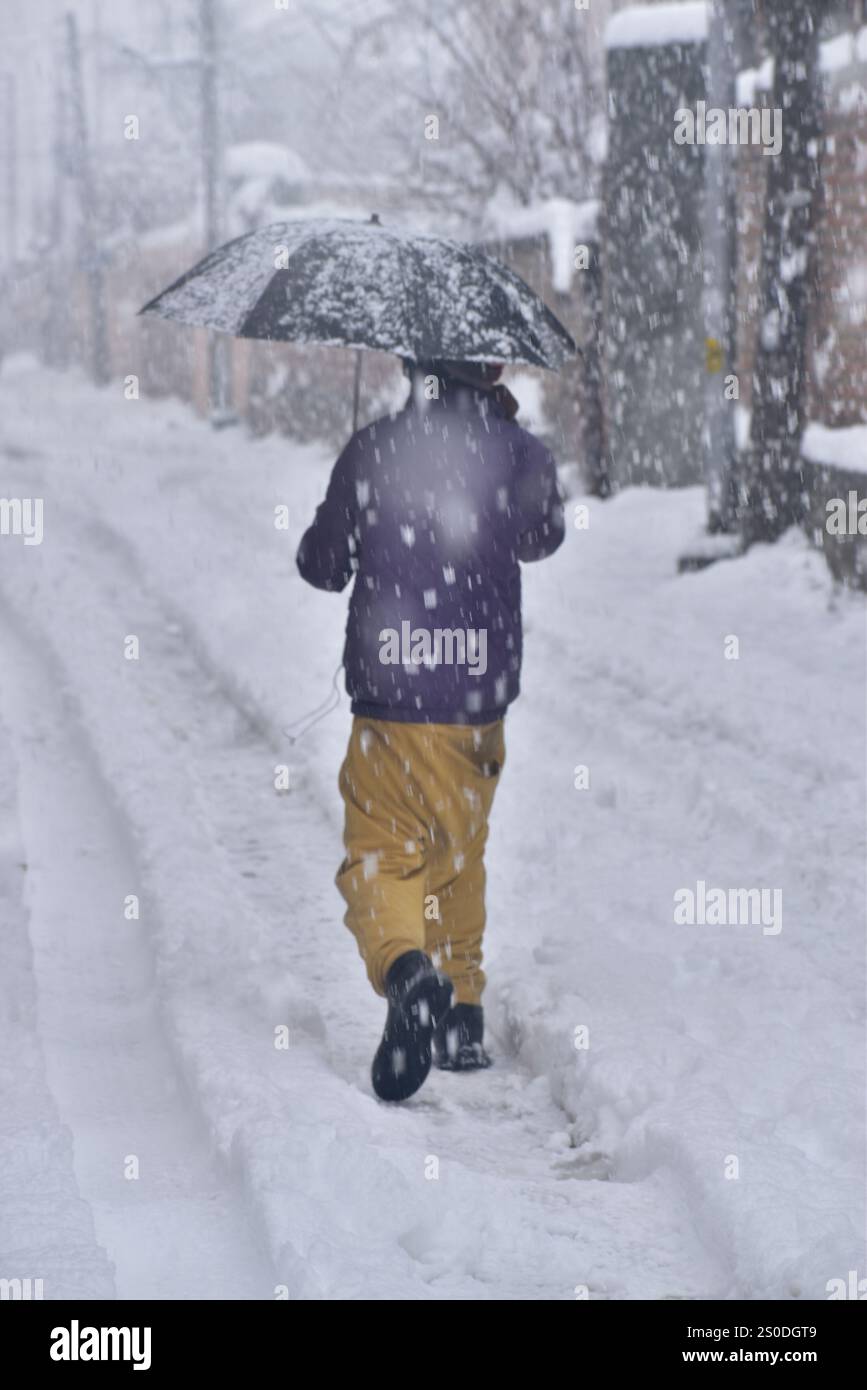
x=753, y=80
x=835, y=55
x=843, y=51
x=566, y=224
x=743, y=422
x=836, y=448
x=653, y=26
x=841, y=448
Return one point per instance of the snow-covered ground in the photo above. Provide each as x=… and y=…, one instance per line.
x=676, y=1110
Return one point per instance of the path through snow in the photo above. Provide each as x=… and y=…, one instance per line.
x=607, y=1168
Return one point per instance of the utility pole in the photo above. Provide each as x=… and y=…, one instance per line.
x=55, y=327
x=595, y=454
x=211, y=185
x=89, y=252
x=773, y=488
x=96, y=70
x=11, y=168
x=718, y=220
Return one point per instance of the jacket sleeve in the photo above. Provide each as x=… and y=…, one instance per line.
x=540, y=505
x=327, y=554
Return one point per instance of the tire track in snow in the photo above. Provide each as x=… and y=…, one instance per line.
x=176, y=1230
x=46, y=1228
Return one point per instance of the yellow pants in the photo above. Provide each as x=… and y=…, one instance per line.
x=417, y=800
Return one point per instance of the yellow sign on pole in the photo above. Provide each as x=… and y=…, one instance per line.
x=713, y=355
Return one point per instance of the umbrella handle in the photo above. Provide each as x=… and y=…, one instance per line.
x=356, y=391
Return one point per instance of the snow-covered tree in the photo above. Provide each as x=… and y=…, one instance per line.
x=497, y=97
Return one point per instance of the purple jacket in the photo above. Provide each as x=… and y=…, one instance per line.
x=431, y=510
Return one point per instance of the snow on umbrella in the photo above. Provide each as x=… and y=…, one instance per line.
x=352, y=284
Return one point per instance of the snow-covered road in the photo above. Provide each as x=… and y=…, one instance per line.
x=709, y=1141
x=161, y=1208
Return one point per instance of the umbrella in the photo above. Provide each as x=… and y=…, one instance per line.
x=337, y=282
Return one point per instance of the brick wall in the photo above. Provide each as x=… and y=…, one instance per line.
x=838, y=339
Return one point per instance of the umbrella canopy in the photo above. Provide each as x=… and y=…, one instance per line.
x=361, y=285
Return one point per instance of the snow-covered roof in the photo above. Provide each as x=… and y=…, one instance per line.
x=264, y=159
x=565, y=223
x=321, y=208
x=841, y=448
x=186, y=231
x=653, y=26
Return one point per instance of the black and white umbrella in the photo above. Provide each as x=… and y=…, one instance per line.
x=336, y=282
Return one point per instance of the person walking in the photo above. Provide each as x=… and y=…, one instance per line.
x=431, y=511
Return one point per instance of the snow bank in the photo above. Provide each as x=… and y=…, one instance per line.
x=653, y=26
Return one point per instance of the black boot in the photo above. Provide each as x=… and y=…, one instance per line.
x=458, y=1041
x=418, y=998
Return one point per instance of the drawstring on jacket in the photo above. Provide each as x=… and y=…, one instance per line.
x=313, y=716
